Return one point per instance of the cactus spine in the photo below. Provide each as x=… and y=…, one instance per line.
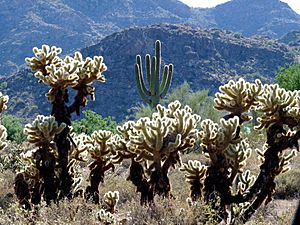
x=156, y=89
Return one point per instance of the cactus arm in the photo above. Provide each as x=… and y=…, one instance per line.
x=164, y=88
x=152, y=77
x=164, y=79
x=157, y=72
x=141, y=84
x=148, y=68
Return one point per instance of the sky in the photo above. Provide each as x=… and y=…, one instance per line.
x=294, y=4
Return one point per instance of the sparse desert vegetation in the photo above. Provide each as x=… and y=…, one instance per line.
x=170, y=167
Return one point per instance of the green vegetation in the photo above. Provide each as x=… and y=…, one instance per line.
x=157, y=90
x=199, y=101
x=14, y=128
x=224, y=183
x=93, y=121
x=289, y=78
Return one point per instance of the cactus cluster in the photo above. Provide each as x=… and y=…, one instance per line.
x=60, y=74
x=74, y=72
x=153, y=145
x=225, y=177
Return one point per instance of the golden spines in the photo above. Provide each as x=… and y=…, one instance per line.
x=237, y=154
x=118, y=142
x=99, y=145
x=3, y=136
x=237, y=96
x=43, y=129
x=111, y=199
x=74, y=72
x=105, y=217
x=3, y=102
x=246, y=181
x=218, y=137
x=44, y=57
x=195, y=171
x=276, y=103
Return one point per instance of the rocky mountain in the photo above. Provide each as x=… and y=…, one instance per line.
x=272, y=18
x=204, y=58
x=291, y=38
x=74, y=24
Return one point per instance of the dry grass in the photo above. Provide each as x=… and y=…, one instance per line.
x=164, y=212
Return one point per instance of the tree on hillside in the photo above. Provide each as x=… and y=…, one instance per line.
x=199, y=101
x=289, y=78
x=92, y=122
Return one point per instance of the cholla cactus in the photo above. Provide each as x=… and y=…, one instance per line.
x=78, y=156
x=40, y=170
x=246, y=181
x=238, y=97
x=121, y=150
x=3, y=136
x=43, y=130
x=105, y=217
x=195, y=176
x=279, y=115
x=277, y=105
x=159, y=139
x=61, y=74
x=111, y=199
x=100, y=151
x=44, y=57
x=237, y=156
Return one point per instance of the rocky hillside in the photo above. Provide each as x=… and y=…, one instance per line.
x=204, y=58
x=74, y=24
x=272, y=18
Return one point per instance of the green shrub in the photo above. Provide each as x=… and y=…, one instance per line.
x=289, y=78
x=92, y=121
x=14, y=128
x=199, y=101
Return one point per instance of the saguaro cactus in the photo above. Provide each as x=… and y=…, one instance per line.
x=156, y=89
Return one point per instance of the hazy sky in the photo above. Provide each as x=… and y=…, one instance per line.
x=294, y=4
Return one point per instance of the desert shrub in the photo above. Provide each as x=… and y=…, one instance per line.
x=14, y=128
x=93, y=121
x=170, y=211
x=287, y=185
x=199, y=101
x=10, y=158
x=289, y=78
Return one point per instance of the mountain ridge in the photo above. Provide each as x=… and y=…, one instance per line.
x=204, y=58
x=73, y=24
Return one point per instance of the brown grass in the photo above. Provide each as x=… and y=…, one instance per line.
x=164, y=212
